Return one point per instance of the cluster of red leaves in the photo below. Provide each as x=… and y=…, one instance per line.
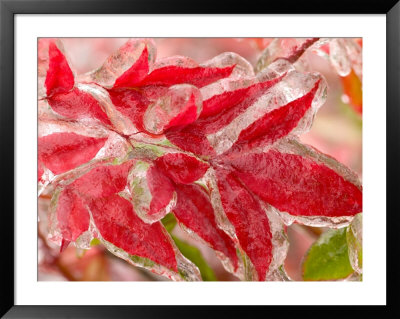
x=214, y=144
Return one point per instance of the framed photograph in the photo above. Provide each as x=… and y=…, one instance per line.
x=160, y=155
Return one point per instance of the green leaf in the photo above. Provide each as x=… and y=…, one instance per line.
x=328, y=257
x=194, y=255
x=169, y=222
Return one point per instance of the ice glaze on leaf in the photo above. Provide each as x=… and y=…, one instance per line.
x=59, y=78
x=137, y=72
x=195, y=212
x=118, y=223
x=76, y=105
x=61, y=152
x=103, y=181
x=297, y=185
x=180, y=105
x=176, y=74
x=181, y=168
x=127, y=66
x=72, y=214
x=249, y=220
x=153, y=194
x=275, y=124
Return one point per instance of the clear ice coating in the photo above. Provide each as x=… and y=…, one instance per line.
x=242, y=66
x=180, y=106
x=121, y=61
x=292, y=86
x=354, y=241
x=119, y=122
x=338, y=56
x=187, y=271
x=153, y=195
x=287, y=48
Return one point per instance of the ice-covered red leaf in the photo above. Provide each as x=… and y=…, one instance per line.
x=40, y=170
x=228, y=99
x=153, y=194
x=284, y=48
x=77, y=104
x=136, y=72
x=72, y=214
x=61, y=152
x=181, y=168
x=298, y=185
x=59, y=78
x=249, y=220
x=180, y=105
x=275, y=124
x=175, y=74
x=254, y=115
x=118, y=223
x=103, y=180
x=127, y=66
x=132, y=104
x=218, y=111
x=191, y=140
x=195, y=212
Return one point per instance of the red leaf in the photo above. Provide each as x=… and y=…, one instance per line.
x=249, y=219
x=181, y=168
x=190, y=140
x=161, y=189
x=275, y=124
x=72, y=215
x=61, y=152
x=40, y=170
x=218, y=111
x=131, y=103
x=179, y=105
x=226, y=100
x=152, y=192
x=103, y=181
x=59, y=78
x=118, y=223
x=194, y=211
x=77, y=104
x=136, y=73
x=298, y=185
x=197, y=76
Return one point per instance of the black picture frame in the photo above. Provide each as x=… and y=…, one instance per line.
x=8, y=10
